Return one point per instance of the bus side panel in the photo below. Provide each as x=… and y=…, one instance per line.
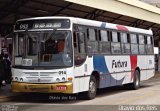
x=150, y=66
x=118, y=66
x=142, y=64
x=108, y=82
x=113, y=79
x=103, y=80
x=76, y=85
x=146, y=65
x=128, y=77
x=120, y=76
x=79, y=80
x=150, y=73
x=81, y=84
x=82, y=75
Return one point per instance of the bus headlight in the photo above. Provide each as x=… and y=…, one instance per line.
x=16, y=78
x=21, y=79
x=63, y=78
x=57, y=79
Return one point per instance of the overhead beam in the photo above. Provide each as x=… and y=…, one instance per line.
x=137, y=23
x=116, y=18
x=94, y=14
x=63, y=8
x=129, y=8
x=14, y=6
x=151, y=25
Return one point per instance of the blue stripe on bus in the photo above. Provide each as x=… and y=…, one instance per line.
x=103, y=25
x=100, y=65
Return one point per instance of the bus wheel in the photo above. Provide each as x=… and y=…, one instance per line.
x=91, y=93
x=136, y=82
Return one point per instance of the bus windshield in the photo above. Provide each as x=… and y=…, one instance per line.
x=43, y=48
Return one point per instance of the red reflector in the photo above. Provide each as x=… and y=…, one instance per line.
x=61, y=87
x=123, y=28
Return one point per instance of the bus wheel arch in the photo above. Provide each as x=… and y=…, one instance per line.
x=138, y=69
x=136, y=79
x=93, y=85
x=97, y=77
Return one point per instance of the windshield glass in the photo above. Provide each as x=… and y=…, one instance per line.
x=43, y=48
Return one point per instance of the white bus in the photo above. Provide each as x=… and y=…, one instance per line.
x=73, y=55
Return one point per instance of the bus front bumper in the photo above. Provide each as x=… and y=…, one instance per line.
x=66, y=87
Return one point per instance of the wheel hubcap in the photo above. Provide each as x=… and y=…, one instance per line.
x=137, y=80
x=92, y=87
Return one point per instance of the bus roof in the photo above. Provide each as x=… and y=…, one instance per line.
x=94, y=23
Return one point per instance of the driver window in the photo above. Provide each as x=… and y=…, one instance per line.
x=79, y=48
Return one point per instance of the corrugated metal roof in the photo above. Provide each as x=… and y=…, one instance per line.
x=11, y=10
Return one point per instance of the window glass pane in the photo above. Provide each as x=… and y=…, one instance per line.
x=142, y=49
x=79, y=48
x=149, y=40
x=92, y=35
x=133, y=38
x=105, y=47
x=75, y=40
x=81, y=42
x=92, y=47
x=126, y=48
x=134, y=48
x=79, y=58
x=149, y=49
x=104, y=35
x=21, y=46
x=114, y=37
x=32, y=45
x=141, y=39
x=115, y=47
x=123, y=37
x=82, y=29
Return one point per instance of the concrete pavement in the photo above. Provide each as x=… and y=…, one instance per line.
x=109, y=99
x=6, y=93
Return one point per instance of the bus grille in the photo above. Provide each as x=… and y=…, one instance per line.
x=39, y=77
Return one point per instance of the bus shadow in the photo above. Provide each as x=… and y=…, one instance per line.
x=116, y=89
x=67, y=99
x=46, y=98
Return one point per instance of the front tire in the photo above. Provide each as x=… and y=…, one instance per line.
x=91, y=93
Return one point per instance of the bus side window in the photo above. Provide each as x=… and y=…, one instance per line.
x=115, y=44
x=134, y=44
x=104, y=42
x=142, y=49
x=79, y=48
x=125, y=45
x=149, y=45
x=92, y=43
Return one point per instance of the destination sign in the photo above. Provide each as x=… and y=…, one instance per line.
x=42, y=24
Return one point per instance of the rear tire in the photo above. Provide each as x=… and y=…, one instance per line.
x=136, y=82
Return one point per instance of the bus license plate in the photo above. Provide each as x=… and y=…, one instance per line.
x=61, y=87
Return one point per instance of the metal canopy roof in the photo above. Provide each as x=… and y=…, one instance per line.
x=11, y=10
